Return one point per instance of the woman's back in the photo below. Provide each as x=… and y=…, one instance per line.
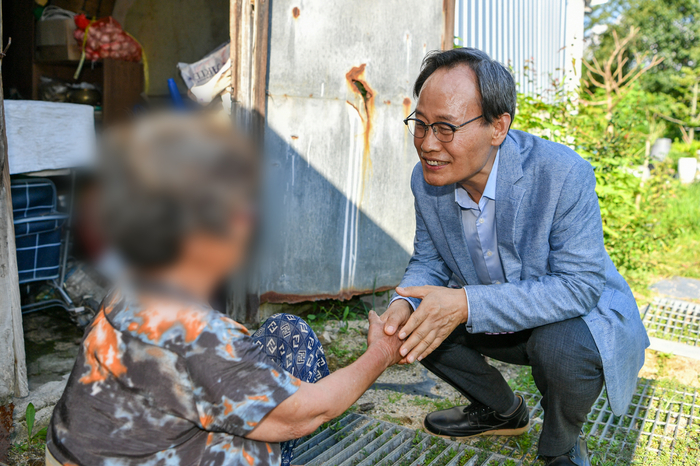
x=162, y=379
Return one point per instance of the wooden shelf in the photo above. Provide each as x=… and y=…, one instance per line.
x=121, y=82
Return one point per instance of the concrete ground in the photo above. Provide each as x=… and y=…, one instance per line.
x=402, y=395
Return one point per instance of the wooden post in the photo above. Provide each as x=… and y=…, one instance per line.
x=249, y=29
x=448, y=27
x=13, y=366
x=13, y=369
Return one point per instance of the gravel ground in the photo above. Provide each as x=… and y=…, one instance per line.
x=400, y=404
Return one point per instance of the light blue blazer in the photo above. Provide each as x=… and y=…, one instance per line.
x=550, y=240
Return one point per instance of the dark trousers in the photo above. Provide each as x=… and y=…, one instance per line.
x=566, y=366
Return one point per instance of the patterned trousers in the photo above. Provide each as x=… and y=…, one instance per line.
x=291, y=344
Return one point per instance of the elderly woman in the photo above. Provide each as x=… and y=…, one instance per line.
x=162, y=378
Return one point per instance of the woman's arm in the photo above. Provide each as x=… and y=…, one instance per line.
x=314, y=404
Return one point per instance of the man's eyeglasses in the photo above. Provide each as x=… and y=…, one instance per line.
x=444, y=132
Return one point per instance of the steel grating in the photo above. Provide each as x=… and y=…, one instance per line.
x=673, y=319
x=656, y=421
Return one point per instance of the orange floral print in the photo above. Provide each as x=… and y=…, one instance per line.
x=102, y=352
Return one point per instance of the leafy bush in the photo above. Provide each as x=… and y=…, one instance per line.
x=616, y=144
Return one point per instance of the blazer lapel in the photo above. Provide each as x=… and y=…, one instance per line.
x=451, y=219
x=508, y=199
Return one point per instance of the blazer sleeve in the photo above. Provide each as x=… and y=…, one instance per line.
x=426, y=266
x=576, y=276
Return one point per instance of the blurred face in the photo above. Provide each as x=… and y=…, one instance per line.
x=452, y=96
x=219, y=255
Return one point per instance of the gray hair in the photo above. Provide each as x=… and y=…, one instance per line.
x=496, y=84
x=166, y=176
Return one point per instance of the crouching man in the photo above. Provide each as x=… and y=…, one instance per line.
x=514, y=220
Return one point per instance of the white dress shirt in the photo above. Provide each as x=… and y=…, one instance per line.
x=479, y=226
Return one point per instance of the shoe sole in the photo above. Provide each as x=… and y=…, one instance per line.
x=501, y=432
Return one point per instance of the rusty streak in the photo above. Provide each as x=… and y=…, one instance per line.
x=276, y=298
x=5, y=428
x=296, y=12
x=358, y=85
x=406, y=106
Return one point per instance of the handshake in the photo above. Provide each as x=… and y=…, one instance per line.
x=405, y=335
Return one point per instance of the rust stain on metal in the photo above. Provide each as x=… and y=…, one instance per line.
x=406, y=106
x=296, y=12
x=358, y=85
x=277, y=298
x=295, y=137
x=387, y=102
x=5, y=428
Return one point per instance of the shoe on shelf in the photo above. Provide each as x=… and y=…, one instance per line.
x=476, y=419
x=577, y=456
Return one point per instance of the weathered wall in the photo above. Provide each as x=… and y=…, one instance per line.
x=339, y=210
x=173, y=31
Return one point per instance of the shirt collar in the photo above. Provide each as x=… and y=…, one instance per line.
x=466, y=202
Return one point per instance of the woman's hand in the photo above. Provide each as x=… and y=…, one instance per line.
x=316, y=403
x=389, y=344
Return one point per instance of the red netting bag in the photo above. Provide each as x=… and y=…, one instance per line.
x=106, y=39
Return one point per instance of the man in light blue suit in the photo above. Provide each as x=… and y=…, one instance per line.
x=509, y=263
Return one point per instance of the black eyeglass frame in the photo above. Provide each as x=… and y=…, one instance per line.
x=434, y=130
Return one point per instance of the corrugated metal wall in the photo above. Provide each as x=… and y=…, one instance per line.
x=537, y=38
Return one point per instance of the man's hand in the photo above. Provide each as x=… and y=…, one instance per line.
x=396, y=316
x=441, y=310
x=389, y=344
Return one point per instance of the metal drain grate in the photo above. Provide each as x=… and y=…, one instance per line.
x=674, y=320
x=657, y=419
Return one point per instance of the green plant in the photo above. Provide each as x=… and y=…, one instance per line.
x=446, y=403
x=33, y=438
x=417, y=438
x=341, y=311
x=437, y=445
x=469, y=454
x=421, y=401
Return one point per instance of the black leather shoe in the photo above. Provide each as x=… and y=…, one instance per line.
x=476, y=419
x=577, y=456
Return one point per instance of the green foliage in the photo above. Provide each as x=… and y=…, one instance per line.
x=341, y=311
x=670, y=28
x=341, y=355
x=685, y=452
x=637, y=220
x=682, y=149
x=33, y=438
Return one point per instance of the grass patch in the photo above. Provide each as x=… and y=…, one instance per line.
x=523, y=381
x=675, y=226
x=340, y=354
